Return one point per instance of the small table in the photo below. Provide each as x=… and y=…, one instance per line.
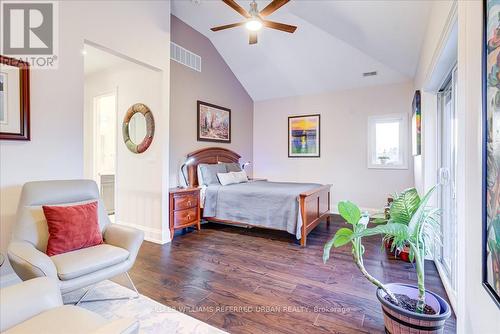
x=184, y=208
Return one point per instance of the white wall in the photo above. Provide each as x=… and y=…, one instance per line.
x=476, y=311
x=343, y=161
x=439, y=20
x=138, y=187
x=140, y=29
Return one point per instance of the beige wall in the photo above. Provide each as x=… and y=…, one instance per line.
x=343, y=161
x=215, y=84
x=138, y=29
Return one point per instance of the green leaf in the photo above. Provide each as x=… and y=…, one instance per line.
x=379, y=221
x=326, y=250
x=421, y=215
x=349, y=211
x=411, y=255
x=341, y=237
x=395, y=230
x=404, y=206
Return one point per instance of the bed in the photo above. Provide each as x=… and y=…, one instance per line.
x=293, y=207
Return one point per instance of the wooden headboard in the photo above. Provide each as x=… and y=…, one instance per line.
x=209, y=155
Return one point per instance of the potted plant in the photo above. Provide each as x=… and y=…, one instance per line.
x=383, y=159
x=402, y=207
x=406, y=308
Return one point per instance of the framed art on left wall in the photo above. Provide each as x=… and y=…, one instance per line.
x=214, y=123
x=14, y=99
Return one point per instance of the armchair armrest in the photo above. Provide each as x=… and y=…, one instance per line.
x=119, y=326
x=124, y=237
x=27, y=299
x=28, y=262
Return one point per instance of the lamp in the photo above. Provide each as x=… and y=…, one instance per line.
x=186, y=163
x=245, y=165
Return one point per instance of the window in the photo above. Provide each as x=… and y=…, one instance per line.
x=387, y=141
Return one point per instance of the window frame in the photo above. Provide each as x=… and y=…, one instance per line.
x=402, y=118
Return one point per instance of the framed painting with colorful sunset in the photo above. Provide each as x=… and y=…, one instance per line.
x=304, y=136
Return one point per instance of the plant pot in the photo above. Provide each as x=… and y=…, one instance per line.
x=400, y=321
x=404, y=255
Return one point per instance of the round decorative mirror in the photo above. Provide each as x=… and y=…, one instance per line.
x=138, y=128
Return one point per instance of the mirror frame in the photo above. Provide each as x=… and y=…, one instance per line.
x=150, y=128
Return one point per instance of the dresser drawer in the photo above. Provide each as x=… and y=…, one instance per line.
x=185, y=202
x=184, y=217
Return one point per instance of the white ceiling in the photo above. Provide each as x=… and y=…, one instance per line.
x=336, y=41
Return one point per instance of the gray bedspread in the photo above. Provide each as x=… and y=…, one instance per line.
x=259, y=203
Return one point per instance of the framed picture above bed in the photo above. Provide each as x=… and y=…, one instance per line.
x=491, y=150
x=14, y=99
x=304, y=136
x=214, y=123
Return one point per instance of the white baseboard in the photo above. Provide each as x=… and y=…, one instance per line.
x=150, y=234
x=371, y=211
x=9, y=279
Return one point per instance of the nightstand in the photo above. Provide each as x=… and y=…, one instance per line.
x=184, y=208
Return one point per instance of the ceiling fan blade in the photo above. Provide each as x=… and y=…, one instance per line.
x=227, y=26
x=279, y=26
x=272, y=7
x=253, y=38
x=238, y=8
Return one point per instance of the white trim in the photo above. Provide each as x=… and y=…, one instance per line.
x=370, y=211
x=451, y=20
x=452, y=294
x=150, y=234
x=402, y=118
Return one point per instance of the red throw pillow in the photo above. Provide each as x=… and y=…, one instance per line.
x=72, y=227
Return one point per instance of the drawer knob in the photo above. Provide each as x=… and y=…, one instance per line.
x=188, y=216
x=189, y=202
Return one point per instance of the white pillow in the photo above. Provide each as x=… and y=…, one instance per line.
x=241, y=176
x=227, y=178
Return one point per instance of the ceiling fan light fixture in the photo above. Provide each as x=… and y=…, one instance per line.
x=253, y=24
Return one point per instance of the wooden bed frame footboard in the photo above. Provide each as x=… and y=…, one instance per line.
x=314, y=206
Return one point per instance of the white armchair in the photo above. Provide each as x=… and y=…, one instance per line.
x=76, y=269
x=36, y=306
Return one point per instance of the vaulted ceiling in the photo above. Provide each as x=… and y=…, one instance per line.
x=335, y=43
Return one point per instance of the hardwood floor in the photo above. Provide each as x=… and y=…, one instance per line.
x=259, y=281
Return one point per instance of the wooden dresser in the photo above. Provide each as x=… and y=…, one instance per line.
x=184, y=208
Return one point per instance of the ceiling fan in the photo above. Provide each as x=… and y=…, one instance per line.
x=255, y=19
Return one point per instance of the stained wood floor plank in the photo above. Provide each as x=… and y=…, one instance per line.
x=219, y=272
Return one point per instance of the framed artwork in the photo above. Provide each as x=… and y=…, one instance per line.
x=416, y=125
x=304, y=136
x=214, y=123
x=491, y=149
x=14, y=99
